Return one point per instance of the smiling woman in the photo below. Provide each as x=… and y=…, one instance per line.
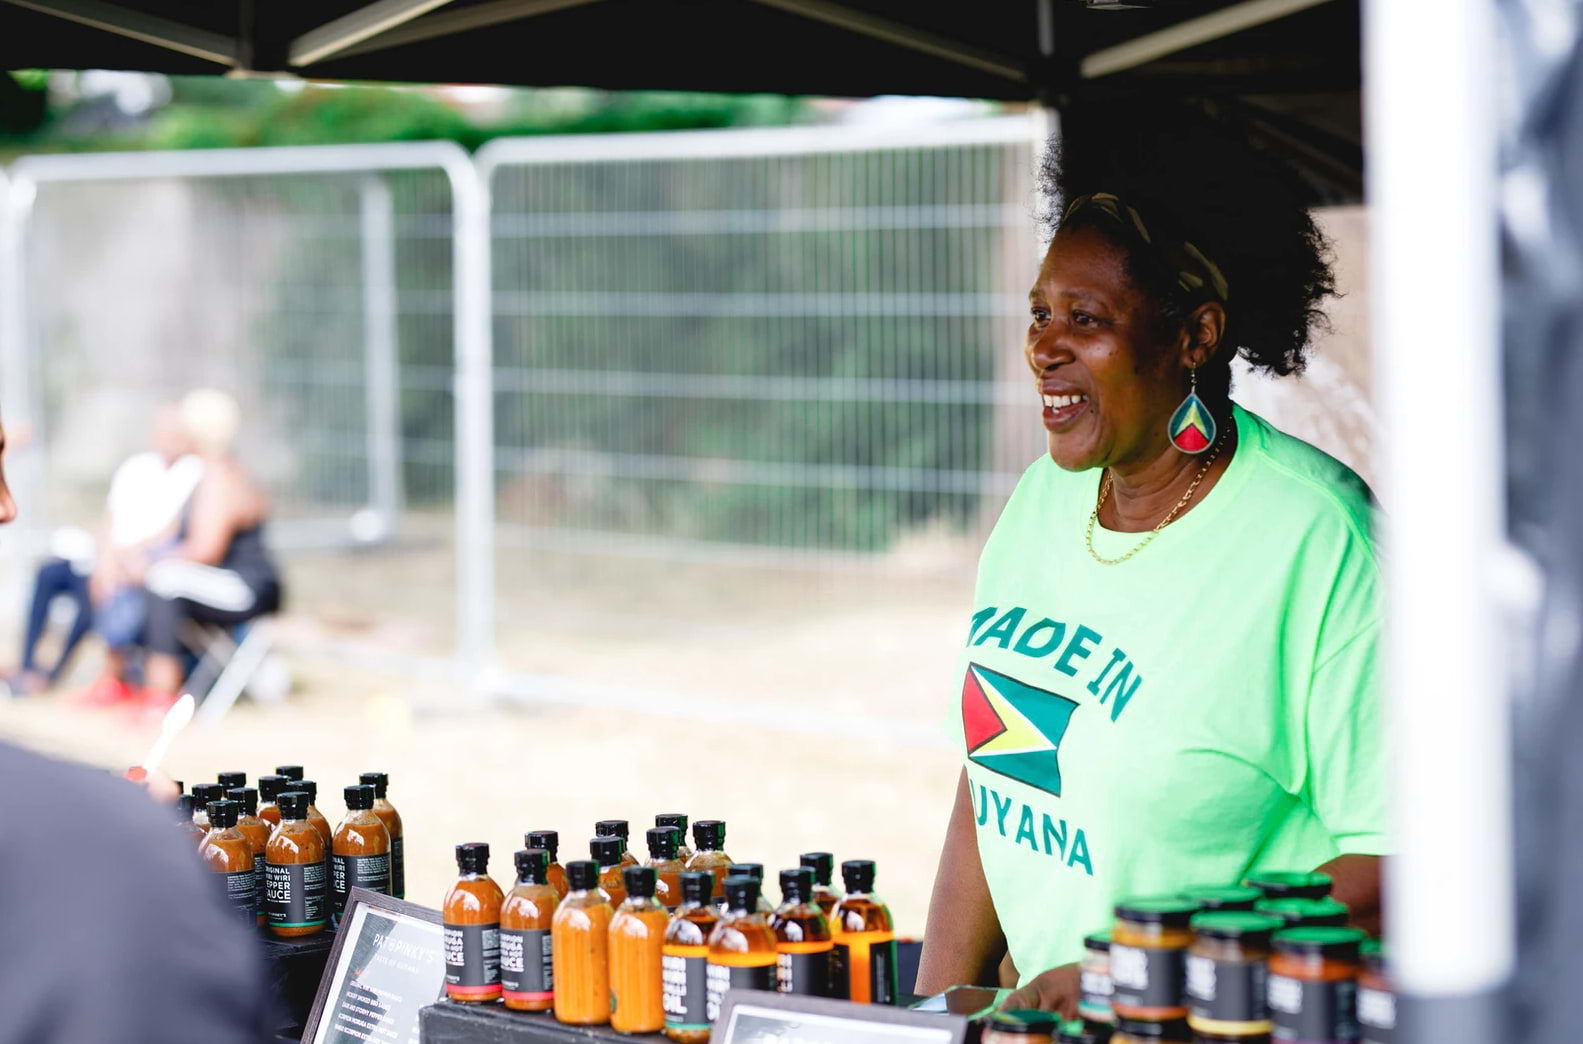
x=1170, y=674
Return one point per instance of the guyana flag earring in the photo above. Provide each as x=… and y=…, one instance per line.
x=1192, y=426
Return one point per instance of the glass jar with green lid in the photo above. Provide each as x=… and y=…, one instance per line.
x=1227, y=969
x=1079, y=1031
x=1376, y=998
x=1223, y=897
x=1021, y=1026
x=1148, y=1031
x=1093, y=987
x=1148, y=957
x=1314, y=983
x=1305, y=913
x=1291, y=884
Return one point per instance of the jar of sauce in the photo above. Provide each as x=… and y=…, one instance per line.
x=184, y=817
x=686, y=960
x=1291, y=884
x=296, y=890
x=227, y=853
x=1094, y=988
x=580, y=940
x=1223, y=897
x=1081, y=1031
x=664, y=844
x=1305, y=913
x=1150, y=1031
x=607, y=851
x=741, y=947
x=1227, y=973
x=1020, y=1027
x=679, y=821
x=865, y=940
x=618, y=828
x=803, y=942
x=359, y=850
x=470, y=918
x=637, y=942
x=550, y=841
x=709, y=844
x=1376, y=997
x=270, y=788
x=823, y=866
x=1148, y=958
x=387, y=813
x=257, y=833
x=527, y=979
x=1314, y=984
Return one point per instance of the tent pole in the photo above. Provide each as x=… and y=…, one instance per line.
x=138, y=25
x=1194, y=31
x=449, y=23
x=335, y=36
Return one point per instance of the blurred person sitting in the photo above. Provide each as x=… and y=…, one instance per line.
x=92, y=571
x=219, y=570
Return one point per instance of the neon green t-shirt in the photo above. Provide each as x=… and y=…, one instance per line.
x=1207, y=708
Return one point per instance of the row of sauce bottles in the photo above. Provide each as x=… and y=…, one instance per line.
x=654, y=947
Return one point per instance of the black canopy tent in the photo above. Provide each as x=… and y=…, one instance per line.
x=1289, y=68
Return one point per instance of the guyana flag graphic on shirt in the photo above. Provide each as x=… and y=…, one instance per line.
x=1014, y=729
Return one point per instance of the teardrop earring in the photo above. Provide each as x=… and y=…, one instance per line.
x=1192, y=426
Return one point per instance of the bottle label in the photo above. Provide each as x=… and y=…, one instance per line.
x=685, y=991
x=472, y=958
x=1147, y=978
x=804, y=973
x=1313, y=1011
x=1227, y=991
x=1093, y=1002
x=723, y=977
x=398, y=869
x=296, y=894
x=877, y=985
x=525, y=964
x=259, y=879
x=241, y=895
x=357, y=871
x=1377, y=1016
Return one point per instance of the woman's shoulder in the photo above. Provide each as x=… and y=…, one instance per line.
x=1295, y=476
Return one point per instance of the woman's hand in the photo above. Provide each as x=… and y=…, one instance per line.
x=1055, y=990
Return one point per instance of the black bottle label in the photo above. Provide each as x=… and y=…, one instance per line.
x=357, y=871
x=1227, y=991
x=1377, y=1015
x=685, y=992
x=882, y=972
x=241, y=895
x=398, y=869
x=723, y=977
x=1147, y=978
x=472, y=956
x=804, y=973
x=259, y=880
x=296, y=893
x=525, y=964
x=1319, y=1011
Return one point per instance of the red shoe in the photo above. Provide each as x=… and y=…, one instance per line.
x=106, y=691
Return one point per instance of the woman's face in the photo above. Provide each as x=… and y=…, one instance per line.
x=1107, y=382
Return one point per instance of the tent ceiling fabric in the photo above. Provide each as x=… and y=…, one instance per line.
x=1297, y=60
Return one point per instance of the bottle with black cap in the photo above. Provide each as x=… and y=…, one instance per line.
x=470, y=916
x=257, y=833
x=296, y=890
x=184, y=818
x=231, y=779
x=709, y=839
x=226, y=852
x=359, y=850
x=637, y=941
x=291, y=772
x=618, y=828
x=679, y=821
x=550, y=841
x=823, y=866
x=202, y=794
x=527, y=981
x=580, y=939
x=606, y=851
x=686, y=960
x=380, y=781
x=865, y=940
x=802, y=937
x=742, y=946
x=320, y=823
x=755, y=871
x=269, y=789
x=667, y=866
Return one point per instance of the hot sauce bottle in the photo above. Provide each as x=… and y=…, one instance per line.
x=687, y=958
x=617, y=828
x=380, y=781
x=202, y=794
x=667, y=866
x=471, y=918
x=709, y=835
x=269, y=789
x=184, y=817
x=637, y=939
x=527, y=979
x=755, y=871
x=802, y=937
x=257, y=833
x=742, y=946
x=295, y=890
x=550, y=841
x=679, y=821
x=865, y=940
x=823, y=866
x=359, y=850
x=226, y=852
x=320, y=823
x=580, y=939
x=607, y=851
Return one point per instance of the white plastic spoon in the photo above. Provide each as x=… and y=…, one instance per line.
x=176, y=719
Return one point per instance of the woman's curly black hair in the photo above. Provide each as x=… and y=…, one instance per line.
x=1191, y=176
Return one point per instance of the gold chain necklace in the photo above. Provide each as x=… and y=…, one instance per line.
x=1104, y=491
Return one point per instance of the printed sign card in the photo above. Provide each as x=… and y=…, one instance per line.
x=753, y=1017
x=387, y=963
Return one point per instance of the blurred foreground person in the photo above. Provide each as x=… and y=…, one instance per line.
x=136, y=948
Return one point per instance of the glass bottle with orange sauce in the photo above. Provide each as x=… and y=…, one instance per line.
x=823, y=866
x=470, y=917
x=664, y=859
x=269, y=789
x=637, y=941
x=202, y=794
x=607, y=852
x=803, y=942
x=1313, y=988
x=686, y=960
x=618, y=828
x=226, y=852
x=359, y=850
x=317, y=818
x=184, y=819
x=679, y=821
x=1148, y=958
x=257, y=833
x=742, y=952
x=380, y=781
x=296, y=892
x=580, y=939
x=527, y=974
x=865, y=940
x=755, y=871
x=550, y=841
x=709, y=839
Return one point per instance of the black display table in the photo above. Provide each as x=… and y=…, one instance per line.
x=295, y=967
x=448, y=1023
